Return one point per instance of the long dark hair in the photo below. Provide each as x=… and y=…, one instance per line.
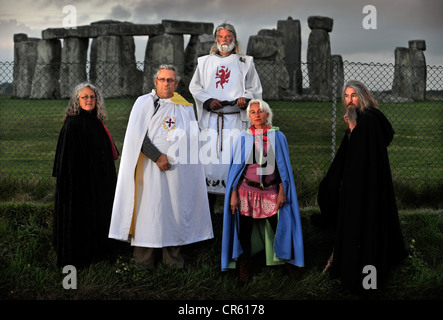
x=364, y=95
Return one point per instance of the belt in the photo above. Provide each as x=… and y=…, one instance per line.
x=260, y=186
x=220, y=115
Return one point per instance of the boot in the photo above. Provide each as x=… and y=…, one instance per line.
x=244, y=272
x=293, y=271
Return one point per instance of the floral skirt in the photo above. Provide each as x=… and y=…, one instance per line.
x=257, y=204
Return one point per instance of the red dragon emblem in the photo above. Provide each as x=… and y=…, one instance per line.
x=222, y=74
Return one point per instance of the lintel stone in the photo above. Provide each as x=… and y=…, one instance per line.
x=186, y=27
x=112, y=29
x=319, y=22
x=417, y=44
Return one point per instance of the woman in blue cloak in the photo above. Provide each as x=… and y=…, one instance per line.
x=261, y=209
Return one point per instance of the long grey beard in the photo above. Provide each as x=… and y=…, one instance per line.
x=351, y=114
x=226, y=48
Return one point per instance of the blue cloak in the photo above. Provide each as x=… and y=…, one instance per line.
x=288, y=242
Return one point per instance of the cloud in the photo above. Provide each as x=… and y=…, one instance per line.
x=120, y=13
x=9, y=28
x=398, y=21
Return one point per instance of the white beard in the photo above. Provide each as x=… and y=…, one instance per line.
x=226, y=47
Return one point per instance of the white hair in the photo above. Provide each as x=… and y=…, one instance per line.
x=230, y=28
x=264, y=107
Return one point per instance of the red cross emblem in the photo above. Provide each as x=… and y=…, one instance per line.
x=222, y=74
x=170, y=122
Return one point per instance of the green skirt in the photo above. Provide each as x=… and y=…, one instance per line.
x=262, y=238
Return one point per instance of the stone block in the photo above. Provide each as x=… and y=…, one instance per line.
x=319, y=22
x=18, y=37
x=113, y=66
x=337, y=74
x=186, y=27
x=291, y=31
x=25, y=59
x=410, y=71
x=319, y=56
x=162, y=49
x=198, y=45
x=417, y=44
x=418, y=69
x=104, y=28
x=45, y=84
x=73, y=66
x=268, y=52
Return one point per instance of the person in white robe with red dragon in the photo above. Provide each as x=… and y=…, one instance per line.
x=223, y=83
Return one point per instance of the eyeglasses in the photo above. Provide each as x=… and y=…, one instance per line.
x=88, y=97
x=169, y=80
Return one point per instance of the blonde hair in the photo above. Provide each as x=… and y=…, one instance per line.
x=264, y=107
x=74, y=103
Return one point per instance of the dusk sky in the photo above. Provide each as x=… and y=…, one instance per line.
x=397, y=21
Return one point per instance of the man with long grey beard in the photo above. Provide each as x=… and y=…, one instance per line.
x=357, y=198
x=223, y=83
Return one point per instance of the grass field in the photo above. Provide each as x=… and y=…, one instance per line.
x=29, y=130
x=28, y=269
x=28, y=135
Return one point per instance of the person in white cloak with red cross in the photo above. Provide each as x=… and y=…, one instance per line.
x=160, y=199
x=223, y=83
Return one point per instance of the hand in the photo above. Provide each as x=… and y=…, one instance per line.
x=281, y=197
x=215, y=104
x=163, y=163
x=234, y=201
x=241, y=102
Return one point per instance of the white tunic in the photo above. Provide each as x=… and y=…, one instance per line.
x=156, y=208
x=223, y=78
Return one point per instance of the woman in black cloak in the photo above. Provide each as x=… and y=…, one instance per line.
x=86, y=178
x=357, y=197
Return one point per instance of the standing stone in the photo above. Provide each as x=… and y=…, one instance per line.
x=319, y=55
x=162, y=49
x=113, y=66
x=338, y=75
x=291, y=31
x=106, y=69
x=418, y=69
x=198, y=45
x=25, y=60
x=410, y=71
x=269, y=54
x=132, y=76
x=402, y=73
x=73, y=67
x=45, y=84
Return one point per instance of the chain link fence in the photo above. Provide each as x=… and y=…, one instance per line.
x=306, y=104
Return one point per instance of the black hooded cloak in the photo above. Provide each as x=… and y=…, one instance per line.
x=357, y=197
x=86, y=178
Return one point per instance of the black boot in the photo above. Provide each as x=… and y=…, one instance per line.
x=244, y=269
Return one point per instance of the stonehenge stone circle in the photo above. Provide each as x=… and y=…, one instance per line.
x=52, y=66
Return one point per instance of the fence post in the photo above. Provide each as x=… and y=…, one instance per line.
x=338, y=78
x=334, y=106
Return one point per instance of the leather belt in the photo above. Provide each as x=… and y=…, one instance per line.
x=258, y=185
